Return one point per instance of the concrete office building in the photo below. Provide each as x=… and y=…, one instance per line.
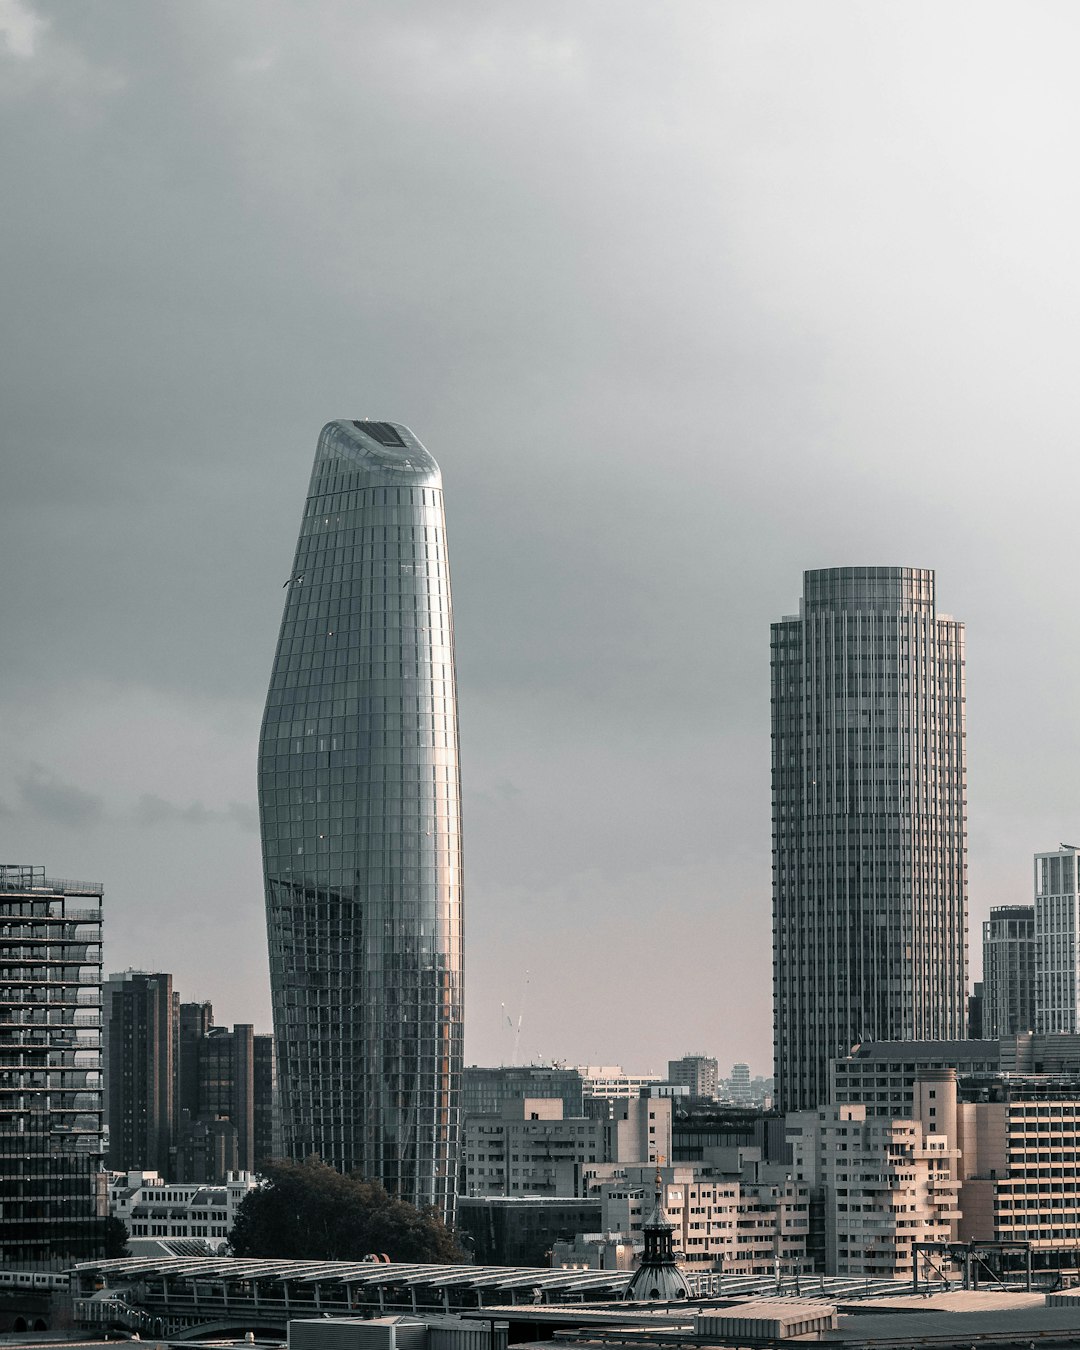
x=1020, y=1163
x=1057, y=941
x=224, y=1078
x=52, y=1187
x=881, y=1075
x=155, y=1210
x=141, y=1030
x=610, y=1082
x=1008, y=983
x=194, y=1021
x=360, y=808
x=531, y=1148
x=699, y=1074
x=869, y=822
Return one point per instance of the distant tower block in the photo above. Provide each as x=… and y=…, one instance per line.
x=740, y=1084
x=698, y=1073
x=1057, y=941
x=1008, y=984
x=869, y=823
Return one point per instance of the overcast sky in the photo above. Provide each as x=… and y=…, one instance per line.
x=683, y=297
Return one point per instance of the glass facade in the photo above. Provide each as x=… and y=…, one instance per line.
x=359, y=798
x=1008, y=971
x=52, y=1187
x=869, y=823
x=1057, y=941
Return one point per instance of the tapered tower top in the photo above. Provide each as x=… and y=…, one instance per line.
x=373, y=454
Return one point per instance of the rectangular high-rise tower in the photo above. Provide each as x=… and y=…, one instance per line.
x=869, y=822
x=140, y=1033
x=359, y=800
x=1008, y=981
x=1057, y=940
x=53, y=1191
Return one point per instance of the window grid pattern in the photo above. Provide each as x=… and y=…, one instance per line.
x=1057, y=942
x=1009, y=971
x=51, y=1184
x=869, y=822
x=360, y=808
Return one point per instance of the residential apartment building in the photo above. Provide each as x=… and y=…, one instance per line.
x=1057, y=941
x=1008, y=983
x=869, y=822
x=882, y=1186
x=700, y=1075
x=741, y=1220
x=52, y=1188
x=140, y=1016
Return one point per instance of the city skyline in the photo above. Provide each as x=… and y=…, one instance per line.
x=682, y=317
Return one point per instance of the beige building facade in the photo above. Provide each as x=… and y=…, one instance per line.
x=741, y=1224
x=531, y=1148
x=886, y=1185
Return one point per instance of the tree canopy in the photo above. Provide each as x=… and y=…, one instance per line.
x=308, y=1212
x=114, y=1236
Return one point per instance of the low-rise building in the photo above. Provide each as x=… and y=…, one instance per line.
x=742, y=1218
x=595, y=1251
x=522, y=1230
x=611, y=1082
x=880, y=1075
x=531, y=1148
x=153, y=1208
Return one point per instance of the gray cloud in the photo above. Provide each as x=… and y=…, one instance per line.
x=682, y=305
x=60, y=803
x=152, y=810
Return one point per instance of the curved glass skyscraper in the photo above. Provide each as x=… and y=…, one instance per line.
x=869, y=822
x=359, y=797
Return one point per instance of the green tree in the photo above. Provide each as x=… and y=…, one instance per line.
x=308, y=1212
x=115, y=1237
